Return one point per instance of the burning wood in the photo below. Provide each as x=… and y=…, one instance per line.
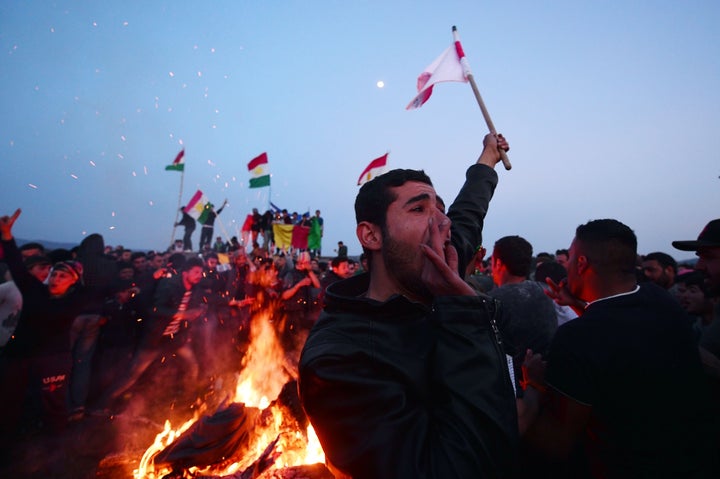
x=250, y=437
x=213, y=439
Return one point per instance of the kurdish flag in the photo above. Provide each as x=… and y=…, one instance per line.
x=199, y=207
x=259, y=171
x=375, y=168
x=179, y=163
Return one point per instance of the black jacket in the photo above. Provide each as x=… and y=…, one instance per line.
x=45, y=321
x=397, y=389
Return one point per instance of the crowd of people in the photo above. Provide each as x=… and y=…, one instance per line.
x=424, y=358
x=592, y=362
x=275, y=230
x=85, y=329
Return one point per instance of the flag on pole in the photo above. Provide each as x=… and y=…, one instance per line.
x=375, y=168
x=259, y=171
x=447, y=67
x=179, y=163
x=199, y=207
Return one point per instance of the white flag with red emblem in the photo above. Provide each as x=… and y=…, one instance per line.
x=447, y=67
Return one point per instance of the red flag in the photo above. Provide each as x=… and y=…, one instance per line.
x=375, y=168
x=447, y=67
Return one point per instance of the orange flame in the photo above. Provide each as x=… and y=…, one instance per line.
x=146, y=469
x=261, y=379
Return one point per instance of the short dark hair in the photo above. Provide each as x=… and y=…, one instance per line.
x=695, y=278
x=550, y=269
x=124, y=265
x=193, y=262
x=176, y=261
x=609, y=245
x=374, y=197
x=663, y=260
x=544, y=257
x=337, y=260
x=516, y=254
x=137, y=254
x=32, y=245
x=562, y=251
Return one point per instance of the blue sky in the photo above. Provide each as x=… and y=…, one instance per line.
x=612, y=109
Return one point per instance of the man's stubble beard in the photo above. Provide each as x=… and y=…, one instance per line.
x=399, y=259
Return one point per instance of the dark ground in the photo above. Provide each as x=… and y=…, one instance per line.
x=96, y=446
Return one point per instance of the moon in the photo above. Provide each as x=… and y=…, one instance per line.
x=380, y=84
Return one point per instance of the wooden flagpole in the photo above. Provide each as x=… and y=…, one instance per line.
x=481, y=103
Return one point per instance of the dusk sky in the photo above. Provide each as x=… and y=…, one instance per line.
x=612, y=110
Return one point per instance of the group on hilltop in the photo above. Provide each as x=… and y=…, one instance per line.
x=273, y=231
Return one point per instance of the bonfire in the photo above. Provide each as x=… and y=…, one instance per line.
x=258, y=430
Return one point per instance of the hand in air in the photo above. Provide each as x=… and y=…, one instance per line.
x=6, y=224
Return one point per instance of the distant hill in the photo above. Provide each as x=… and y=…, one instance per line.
x=49, y=245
